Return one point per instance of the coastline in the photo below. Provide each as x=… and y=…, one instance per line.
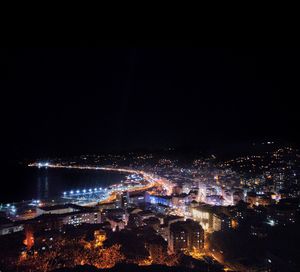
x=152, y=179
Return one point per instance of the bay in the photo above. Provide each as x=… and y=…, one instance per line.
x=20, y=182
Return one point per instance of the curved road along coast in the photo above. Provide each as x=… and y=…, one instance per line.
x=151, y=178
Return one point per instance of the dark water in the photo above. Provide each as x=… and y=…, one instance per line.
x=25, y=183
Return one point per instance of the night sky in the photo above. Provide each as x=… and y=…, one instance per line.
x=114, y=98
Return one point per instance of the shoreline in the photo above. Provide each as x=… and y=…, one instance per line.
x=152, y=179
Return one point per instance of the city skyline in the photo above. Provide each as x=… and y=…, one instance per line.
x=208, y=213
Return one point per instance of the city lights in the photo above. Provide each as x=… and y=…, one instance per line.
x=185, y=207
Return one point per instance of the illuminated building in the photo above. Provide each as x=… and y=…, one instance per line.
x=203, y=214
x=215, y=199
x=220, y=222
x=162, y=200
x=258, y=199
x=202, y=192
x=8, y=227
x=78, y=218
x=279, y=183
x=179, y=200
x=54, y=217
x=186, y=236
x=124, y=199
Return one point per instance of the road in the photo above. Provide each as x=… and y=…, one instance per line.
x=151, y=178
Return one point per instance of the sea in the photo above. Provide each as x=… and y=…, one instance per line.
x=22, y=183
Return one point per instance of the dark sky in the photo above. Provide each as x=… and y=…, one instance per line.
x=61, y=101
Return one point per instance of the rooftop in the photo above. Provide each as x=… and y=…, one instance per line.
x=60, y=207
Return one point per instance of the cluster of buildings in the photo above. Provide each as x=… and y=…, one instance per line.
x=179, y=234
x=8, y=227
x=254, y=193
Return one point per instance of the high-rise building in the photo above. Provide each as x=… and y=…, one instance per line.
x=186, y=236
x=221, y=221
x=125, y=199
x=201, y=192
x=203, y=214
